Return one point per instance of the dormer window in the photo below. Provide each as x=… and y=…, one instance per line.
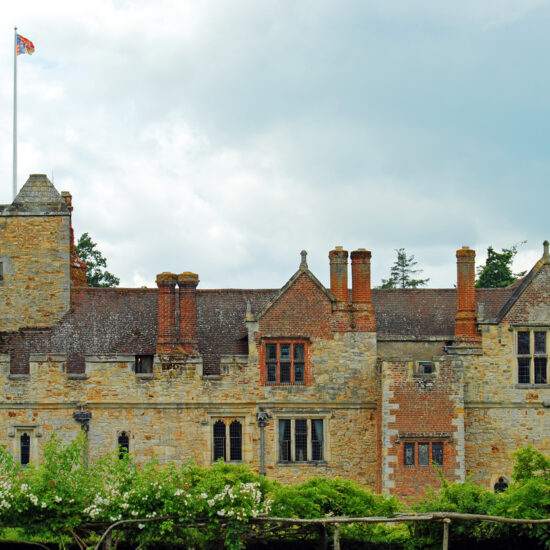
x=285, y=362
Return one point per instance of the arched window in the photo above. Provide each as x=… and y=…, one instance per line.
x=500, y=485
x=123, y=445
x=25, y=448
x=219, y=440
x=235, y=441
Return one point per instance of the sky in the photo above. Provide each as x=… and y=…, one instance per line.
x=223, y=137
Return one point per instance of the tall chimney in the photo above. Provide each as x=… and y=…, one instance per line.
x=360, y=275
x=167, y=335
x=188, y=311
x=363, y=312
x=465, y=322
x=339, y=273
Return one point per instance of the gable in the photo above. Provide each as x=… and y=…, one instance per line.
x=302, y=309
x=530, y=304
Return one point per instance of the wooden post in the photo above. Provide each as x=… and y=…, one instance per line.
x=323, y=537
x=336, y=536
x=446, y=523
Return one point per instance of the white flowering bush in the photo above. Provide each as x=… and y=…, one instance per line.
x=183, y=504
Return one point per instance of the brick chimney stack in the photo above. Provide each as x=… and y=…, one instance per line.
x=166, y=283
x=360, y=276
x=188, y=312
x=363, y=312
x=339, y=273
x=465, y=322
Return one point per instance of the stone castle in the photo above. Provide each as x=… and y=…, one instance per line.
x=382, y=386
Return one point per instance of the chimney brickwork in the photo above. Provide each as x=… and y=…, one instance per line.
x=188, y=282
x=341, y=321
x=361, y=297
x=339, y=273
x=166, y=283
x=465, y=321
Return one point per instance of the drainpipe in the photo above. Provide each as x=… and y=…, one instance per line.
x=262, y=417
x=84, y=418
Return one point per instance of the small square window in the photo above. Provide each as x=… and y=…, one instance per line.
x=144, y=364
x=425, y=367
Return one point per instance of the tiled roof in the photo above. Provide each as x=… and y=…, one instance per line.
x=117, y=320
x=38, y=195
x=429, y=312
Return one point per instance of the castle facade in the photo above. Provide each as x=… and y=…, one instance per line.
x=382, y=386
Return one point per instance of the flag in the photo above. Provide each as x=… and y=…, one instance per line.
x=24, y=45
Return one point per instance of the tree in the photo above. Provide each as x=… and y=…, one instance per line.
x=402, y=273
x=497, y=271
x=95, y=276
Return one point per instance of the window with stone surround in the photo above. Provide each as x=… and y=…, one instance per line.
x=123, y=445
x=423, y=453
x=532, y=355
x=227, y=440
x=24, y=449
x=301, y=439
x=285, y=362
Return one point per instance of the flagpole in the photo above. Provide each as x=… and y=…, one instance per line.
x=15, y=112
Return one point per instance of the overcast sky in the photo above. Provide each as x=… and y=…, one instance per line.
x=223, y=137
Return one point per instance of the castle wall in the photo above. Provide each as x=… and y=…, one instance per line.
x=420, y=410
x=34, y=251
x=501, y=415
x=170, y=413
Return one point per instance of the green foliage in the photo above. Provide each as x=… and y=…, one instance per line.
x=61, y=500
x=497, y=271
x=54, y=500
x=402, y=273
x=87, y=251
x=530, y=464
x=322, y=497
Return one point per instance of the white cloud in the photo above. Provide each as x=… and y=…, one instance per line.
x=224, y=138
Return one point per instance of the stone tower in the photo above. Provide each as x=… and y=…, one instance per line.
x=35, y=248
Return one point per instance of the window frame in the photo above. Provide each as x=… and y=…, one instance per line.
x=34, y=431
x=300, y=451
x=268, y=362
x=532, y=363
x=416, y=458
x=229, y=439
